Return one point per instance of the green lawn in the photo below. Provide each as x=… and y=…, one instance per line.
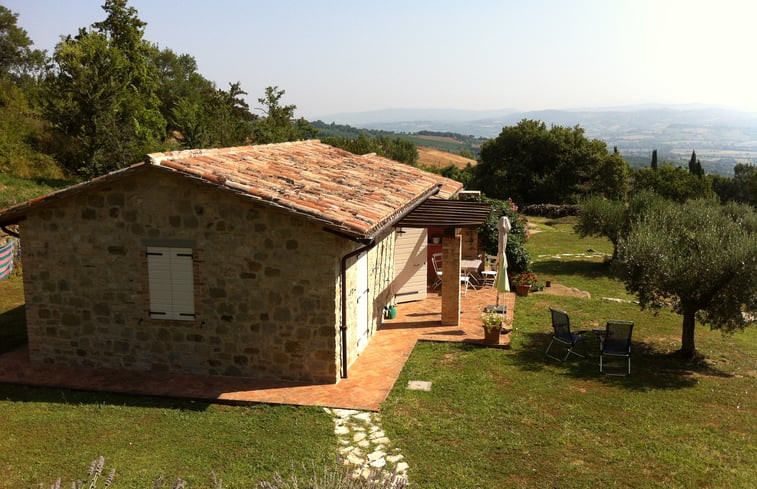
x=50, y=433
x=516, y=419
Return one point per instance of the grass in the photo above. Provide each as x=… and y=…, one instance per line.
x=516, y=419
x=14, y=190
x=559, y=255
x=49, y=433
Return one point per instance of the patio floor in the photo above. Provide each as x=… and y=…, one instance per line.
x=370, y=377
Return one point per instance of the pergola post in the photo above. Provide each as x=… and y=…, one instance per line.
x=451, y=250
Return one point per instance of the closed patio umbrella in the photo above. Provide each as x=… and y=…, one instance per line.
x=501, y=283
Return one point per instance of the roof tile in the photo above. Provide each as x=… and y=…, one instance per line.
x=354, y=194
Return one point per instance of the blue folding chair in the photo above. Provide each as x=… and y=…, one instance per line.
x=616, y=343
x=563, y=335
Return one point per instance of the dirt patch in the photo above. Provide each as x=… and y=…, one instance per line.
x=562, y=290
x=449, y=359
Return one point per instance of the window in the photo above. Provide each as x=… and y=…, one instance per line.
x=171, y=282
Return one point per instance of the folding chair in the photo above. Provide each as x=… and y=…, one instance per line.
x=489, y=273
x=616, y=342
x=436, y=261
x=563, y=335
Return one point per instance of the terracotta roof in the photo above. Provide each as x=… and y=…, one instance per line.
x=357, y=195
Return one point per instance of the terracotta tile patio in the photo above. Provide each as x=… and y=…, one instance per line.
x=370, y=377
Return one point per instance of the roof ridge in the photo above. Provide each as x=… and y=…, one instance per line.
x=158, y=158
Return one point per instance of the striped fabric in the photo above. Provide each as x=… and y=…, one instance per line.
x=6, y=260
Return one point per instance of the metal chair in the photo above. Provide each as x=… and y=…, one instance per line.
x=616, y=342
x=436, y=261
x=563, y=335
x=489, y=273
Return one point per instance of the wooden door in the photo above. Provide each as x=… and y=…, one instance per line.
x=410, y=280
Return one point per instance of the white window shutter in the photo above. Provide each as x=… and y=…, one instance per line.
x=182, y=284
x=171, y=283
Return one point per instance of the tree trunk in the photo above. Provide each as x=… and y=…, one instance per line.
x=687, y=335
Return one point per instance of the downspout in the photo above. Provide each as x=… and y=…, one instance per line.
x=343, y=326
x=9, y=232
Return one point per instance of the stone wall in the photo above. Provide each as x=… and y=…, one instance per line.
x=266, y=299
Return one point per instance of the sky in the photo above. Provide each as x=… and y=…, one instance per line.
x=334, y=56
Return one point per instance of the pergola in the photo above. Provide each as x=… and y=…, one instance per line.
x=450, y=215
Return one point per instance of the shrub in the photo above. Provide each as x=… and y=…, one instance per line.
x=552, y=211
x=518, y=258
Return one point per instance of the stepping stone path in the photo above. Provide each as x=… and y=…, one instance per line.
x=364, y=446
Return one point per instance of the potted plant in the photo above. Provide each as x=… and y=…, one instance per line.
x=523, y=282
x=492, y=323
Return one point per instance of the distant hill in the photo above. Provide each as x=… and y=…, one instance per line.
x=441, y=159
x=391, y=116
x=721, y=137
x=443, y=141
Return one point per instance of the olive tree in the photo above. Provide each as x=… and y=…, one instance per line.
x=613, y=219
x=698, y=258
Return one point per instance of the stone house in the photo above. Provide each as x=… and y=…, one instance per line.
x=271, y=261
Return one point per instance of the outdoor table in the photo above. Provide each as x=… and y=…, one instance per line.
x=470, y=265
x=470, y=268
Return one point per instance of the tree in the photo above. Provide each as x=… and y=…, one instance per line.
x=102, y=95
x=745, y=178
x=466, y=153
x=672, y=182
x=695, y=166
x=518, y=258
x=278, y=124
x=397, y=149
x=654, y=160
x=21, y=127
x=613, y=219
x=698, y=258
x=610, y=177
x=533, y=164
x=602, y=217
x=18, y=59
x=198, y=114
x=463, y=175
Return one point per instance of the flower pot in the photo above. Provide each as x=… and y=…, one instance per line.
x=548, y=283
x=522, y=290
x=491, y=335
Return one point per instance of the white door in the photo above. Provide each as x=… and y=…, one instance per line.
x=363, y=298
x=410, y=281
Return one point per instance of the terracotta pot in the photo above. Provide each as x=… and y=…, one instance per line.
x=491, y=335
x=522, y=290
